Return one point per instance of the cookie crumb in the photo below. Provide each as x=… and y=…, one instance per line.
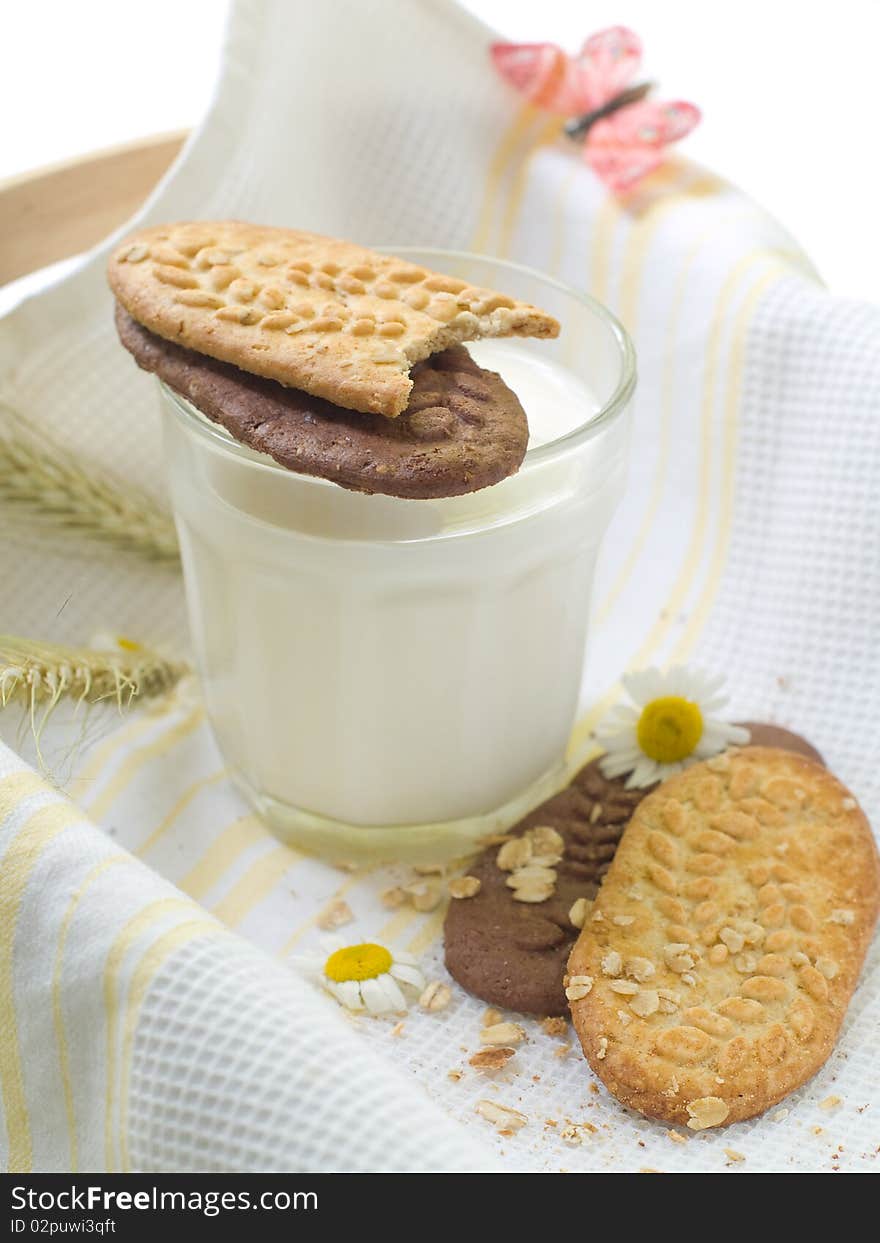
x=828, y=967
x=580, y=909
x=424, y=895
x=397, y=1029
x=502, y=1034
x=336, y=915
x=578, y=987
x=464, y=887
x=611, y=963
x=491, y=1059
x=563, y=1051
x=491, y=1017
x=507, y=1121
x=640, y=969
x=830, y=1102
x=455, y=1076
x=555, y=1025
x=546, y=841
x=780, y=1115
x=677, y=1137
x=707, y=1111
x=733, y=1155
x=514, y=854
x=392, y=899
x=532, y=884
x=435, y=997
x=646, y=1002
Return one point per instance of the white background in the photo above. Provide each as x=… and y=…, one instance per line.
x=788, y=89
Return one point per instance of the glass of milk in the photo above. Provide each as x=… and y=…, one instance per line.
x=394, y=678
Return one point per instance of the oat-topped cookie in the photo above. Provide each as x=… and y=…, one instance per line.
x=715, y=970
x=328, y=317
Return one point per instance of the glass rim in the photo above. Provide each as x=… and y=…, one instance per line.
x=551, y=449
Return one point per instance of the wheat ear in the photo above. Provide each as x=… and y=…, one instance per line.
x=41, y=478
x=38, y=675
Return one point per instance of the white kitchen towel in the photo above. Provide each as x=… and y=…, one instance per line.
x=747, y=540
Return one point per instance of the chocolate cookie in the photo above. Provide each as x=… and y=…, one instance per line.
x=462, y=430
x=763, y=735
x=514, y=953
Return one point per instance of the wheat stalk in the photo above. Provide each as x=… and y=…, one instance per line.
x=39, y=477
x=38, y=675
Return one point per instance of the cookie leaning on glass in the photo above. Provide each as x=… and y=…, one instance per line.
x=726, y=941
x=318, y=314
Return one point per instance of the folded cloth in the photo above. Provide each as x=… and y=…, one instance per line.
x=138, y=1033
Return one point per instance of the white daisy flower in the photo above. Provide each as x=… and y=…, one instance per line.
x=104, y=641
x=369, y=977
x=671, y=726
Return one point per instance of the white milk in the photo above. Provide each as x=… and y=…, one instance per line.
x=382, y=675
x=384, y=662
x=554, y=398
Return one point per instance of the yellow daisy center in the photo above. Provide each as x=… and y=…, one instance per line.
x=669, y=729
x=358, y=962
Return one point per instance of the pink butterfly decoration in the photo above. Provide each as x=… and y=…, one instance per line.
x=625, y=133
